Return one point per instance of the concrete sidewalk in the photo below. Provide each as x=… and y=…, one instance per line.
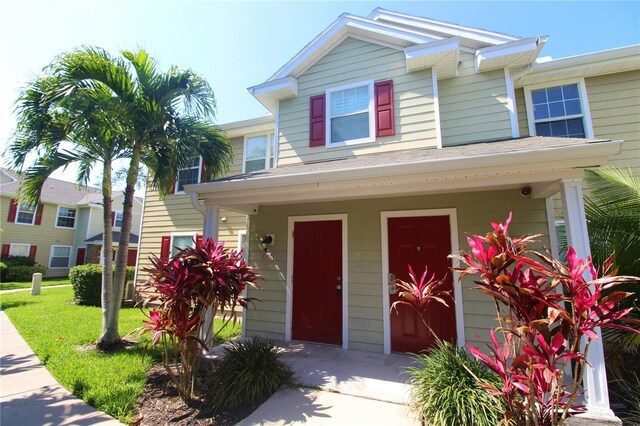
x=29, y=395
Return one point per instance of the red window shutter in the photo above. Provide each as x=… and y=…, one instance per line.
x=384, y=108
x=199, y=240
x=5, y=250
x=113, y=218
x=13, y=208
x=203, y=176
x=32, y=252
x=317, y=120
x=39, y=211
x=165, y=247
x=80, y=256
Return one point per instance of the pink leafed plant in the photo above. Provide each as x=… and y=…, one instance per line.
x=549, y=314
x=182, y=289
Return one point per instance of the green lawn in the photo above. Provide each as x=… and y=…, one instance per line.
x=61, y=333
x=27, y=284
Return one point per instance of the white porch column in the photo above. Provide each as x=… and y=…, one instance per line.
x=595, y=377
x=211, y=229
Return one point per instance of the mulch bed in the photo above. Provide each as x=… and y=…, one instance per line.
x=160, y=404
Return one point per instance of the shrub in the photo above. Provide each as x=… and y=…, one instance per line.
x=87, y=283
x=3, y=271
x=19, y=261
x=196, y=279
x=250, y=372
x=445, y=391
x=24, y=273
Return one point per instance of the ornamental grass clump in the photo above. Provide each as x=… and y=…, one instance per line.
x=445, y=389
x=250, y=372
x=549, y=313
x=183, y=288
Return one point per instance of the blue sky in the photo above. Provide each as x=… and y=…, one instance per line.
x=235, y=45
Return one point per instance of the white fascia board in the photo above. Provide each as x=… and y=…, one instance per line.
x=252, y=125
x=489, y=58
x=337, y=31
x=606, y=61
x=529, y=158
x=426, y=24
x=270, y=92
x=417, y=56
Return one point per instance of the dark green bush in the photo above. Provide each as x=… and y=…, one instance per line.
x=87, y=283
x=18, y=261
x=446, y=393
x=250, y=372
x=3, y=271
x=24, y=273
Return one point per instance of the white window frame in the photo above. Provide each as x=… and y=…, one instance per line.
x=19, y=244
x=33, y=218
x=75, y=218
x=180, y=234
x=269, y=151
x=584, y=104
x=115, y=218
x=242, y=235
x=175, y=191
x=371, y=111
x=51, y=256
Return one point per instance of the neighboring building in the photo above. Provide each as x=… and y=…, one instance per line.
x=396, y=137
x=65, y=229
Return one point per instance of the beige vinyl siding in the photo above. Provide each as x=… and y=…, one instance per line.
x=176, y=214
x=43, y=236
x=474, y=210
x=354, y=61
x=614, y=102
x=521, y=109
x=473, y=106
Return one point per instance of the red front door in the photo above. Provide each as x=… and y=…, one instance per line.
x=317, y=282
x=420, y=241
x=132, y=257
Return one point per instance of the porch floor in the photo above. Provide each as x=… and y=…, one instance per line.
x=340, y=387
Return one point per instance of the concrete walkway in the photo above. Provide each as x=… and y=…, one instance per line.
x=29, y=289
x=29, y=395
x=340, y=387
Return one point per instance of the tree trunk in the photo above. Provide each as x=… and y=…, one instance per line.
x=120, y=273
x=107, y=253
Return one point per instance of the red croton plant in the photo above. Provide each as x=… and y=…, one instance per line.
x=548, y=314
x=182, y=289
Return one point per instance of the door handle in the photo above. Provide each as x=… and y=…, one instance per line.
x=338, y=289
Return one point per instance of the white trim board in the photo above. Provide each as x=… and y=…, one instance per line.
x=345, y=273
x=455, y=248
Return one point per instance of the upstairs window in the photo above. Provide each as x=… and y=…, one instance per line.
x=117, y=220
x=559, y=111
x=258, y=153
x=26, y=213
x=188, y=175
x=66, y=217
x=350, y=114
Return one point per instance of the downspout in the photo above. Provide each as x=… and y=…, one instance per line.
x=195, y=203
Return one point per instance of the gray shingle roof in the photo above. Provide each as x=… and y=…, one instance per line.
x=55, y=190
x=133, y=238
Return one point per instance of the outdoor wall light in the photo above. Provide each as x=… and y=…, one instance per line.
x=266, y=241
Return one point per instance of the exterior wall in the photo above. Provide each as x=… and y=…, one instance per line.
x=176, y=214
x=474, y=211
x=43, y=236
x=521, y=108
x=473, y=106
x=614, y=101
x=354, y=61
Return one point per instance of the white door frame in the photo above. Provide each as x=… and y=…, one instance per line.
x=457, y=286
x=345, y=274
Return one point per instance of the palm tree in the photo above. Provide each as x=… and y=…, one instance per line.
x=163, y=121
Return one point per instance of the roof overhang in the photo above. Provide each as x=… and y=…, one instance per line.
x=591, y=64
x=540, y=168
x=515, y=54
x=253, y=125
x=441, y=55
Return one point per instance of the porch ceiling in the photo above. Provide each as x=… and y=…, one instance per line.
x=539, y=162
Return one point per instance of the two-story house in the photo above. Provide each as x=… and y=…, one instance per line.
x=395, y=137
x=65, y=229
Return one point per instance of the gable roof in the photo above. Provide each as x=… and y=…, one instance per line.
x=427, y=43
x=58, y=191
